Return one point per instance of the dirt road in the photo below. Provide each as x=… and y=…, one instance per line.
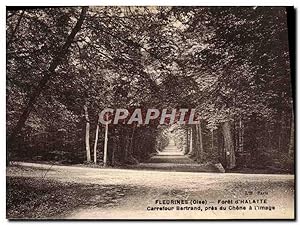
x=150, y=189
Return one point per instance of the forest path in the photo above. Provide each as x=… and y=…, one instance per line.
x=172, y=159
x=171, y=154
x=138, y=192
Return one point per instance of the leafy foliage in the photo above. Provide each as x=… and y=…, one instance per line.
x=228, y=62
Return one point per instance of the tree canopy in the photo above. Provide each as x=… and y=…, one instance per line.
x=227, y=62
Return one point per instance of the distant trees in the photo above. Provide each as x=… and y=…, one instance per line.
x=231, y=63
x=245, y=55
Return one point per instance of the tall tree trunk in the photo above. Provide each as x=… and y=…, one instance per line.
x=47, y=76
x=241, y=136
x=292, y=135
x=126, y=145
x=280, y=141
x=220, y=138
x=196, y=142
x=191, y=146
x=87, y=134
x=114, y=147
x=200, y=141
x=236, y=133
x=105, y=145
x=187, y=142
x=228, y=146
x=212, y=141
x=96, y=140
x=131, y=155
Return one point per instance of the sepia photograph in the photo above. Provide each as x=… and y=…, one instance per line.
x=150, y=113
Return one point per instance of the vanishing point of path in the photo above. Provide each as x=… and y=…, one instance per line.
x=172, y=159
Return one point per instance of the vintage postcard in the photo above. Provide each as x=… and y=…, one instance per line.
x=150, y=113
